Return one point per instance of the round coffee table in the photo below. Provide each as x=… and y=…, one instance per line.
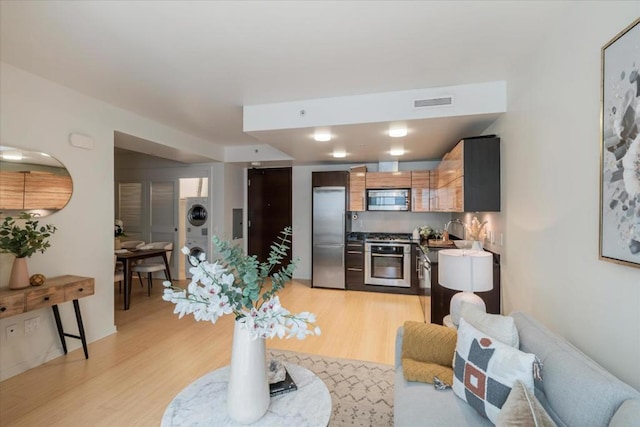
x=204, y=402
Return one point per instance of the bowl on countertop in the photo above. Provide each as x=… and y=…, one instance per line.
x=463, y=244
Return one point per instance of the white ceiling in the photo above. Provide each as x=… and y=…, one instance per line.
x=193, y=65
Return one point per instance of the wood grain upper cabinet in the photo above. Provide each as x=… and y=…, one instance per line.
x=44, y=190
x=34, y=190
x=357, y=191
x=11, y=190
x=469, y=177
x=389, y=179
x=420, y=191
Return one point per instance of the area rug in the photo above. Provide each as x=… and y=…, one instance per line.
x=361, y=392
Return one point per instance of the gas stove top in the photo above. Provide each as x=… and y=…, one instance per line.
x=389, y=237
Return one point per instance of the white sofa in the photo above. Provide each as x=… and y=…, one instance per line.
x=575, y=390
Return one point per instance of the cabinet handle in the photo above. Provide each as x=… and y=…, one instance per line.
x=353, y=269
x=3, y=309
x=46, y=298
x=81, y=289
x=355, y=252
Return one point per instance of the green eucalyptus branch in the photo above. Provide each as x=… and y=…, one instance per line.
x=26, y=240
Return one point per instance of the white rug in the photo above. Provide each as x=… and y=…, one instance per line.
x=361, y=392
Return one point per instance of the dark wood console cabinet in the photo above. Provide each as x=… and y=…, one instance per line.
x=441, y=296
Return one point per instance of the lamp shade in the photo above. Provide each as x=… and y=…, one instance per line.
x=465, y=270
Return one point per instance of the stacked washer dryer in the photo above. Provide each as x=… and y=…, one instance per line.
x=197, y=224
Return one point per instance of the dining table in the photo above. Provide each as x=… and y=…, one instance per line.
x=129, y=257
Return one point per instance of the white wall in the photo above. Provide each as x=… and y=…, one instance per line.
x=550, y=199
x=39, y=115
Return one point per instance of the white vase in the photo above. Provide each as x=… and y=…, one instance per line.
x=476, y=245
x=19, y=278
x=248, y=391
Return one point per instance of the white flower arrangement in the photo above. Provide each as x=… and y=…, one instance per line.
x=476, y=230
x=237, y=285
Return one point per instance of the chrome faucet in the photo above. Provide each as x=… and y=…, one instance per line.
x=464, y=229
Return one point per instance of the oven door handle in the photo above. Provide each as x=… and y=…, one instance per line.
x=388, y=255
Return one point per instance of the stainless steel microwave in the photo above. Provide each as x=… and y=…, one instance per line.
x=392, y=199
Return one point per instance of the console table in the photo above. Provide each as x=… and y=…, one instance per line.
x=54, y=291
x=204, y=402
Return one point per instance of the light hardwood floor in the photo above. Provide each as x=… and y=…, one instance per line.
x=132, y=375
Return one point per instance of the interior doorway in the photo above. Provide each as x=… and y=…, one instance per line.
x=269, y=204
x=194, y=219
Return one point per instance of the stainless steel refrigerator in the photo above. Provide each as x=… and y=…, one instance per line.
x=329, y=205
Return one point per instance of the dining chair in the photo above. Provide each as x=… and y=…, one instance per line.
x=129, y=244
x=132, y=244
x=118, y=273
x=151, y=265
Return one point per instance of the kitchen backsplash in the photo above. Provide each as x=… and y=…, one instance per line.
x=397, y=222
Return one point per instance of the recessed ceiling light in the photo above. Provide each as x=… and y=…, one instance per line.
x=255, y=163
x=339, y=154
x=398, y=132
x=322, y=135
x=12, y=155
x=397, y=152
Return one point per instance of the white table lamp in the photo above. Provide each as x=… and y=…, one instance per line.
x=468, y=271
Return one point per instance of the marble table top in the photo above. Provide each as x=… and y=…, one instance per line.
x=204, y=402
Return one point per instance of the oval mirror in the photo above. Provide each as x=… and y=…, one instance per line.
x=32, y=181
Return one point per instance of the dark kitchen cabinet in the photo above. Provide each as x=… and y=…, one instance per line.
x=441, y=296
x=330, y=179
x=468, y=177
x=354, y=265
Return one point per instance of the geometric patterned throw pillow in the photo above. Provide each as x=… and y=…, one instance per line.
x=486, y=369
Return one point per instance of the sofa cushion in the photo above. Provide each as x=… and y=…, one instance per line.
x=486, y=369
x=427, y=351
x=416, y=403
x=627, y=415
x=414, y=370
x=575, y=390
x=522, y=409
x=502, y=328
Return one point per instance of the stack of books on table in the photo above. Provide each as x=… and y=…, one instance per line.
x=283, y=386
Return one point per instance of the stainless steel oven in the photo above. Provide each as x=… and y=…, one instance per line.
x=387, y=264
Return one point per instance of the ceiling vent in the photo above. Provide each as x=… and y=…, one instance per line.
x=433, y=102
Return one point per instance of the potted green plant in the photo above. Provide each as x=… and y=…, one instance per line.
x=23, y=241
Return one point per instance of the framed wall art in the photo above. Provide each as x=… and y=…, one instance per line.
x=620, y=149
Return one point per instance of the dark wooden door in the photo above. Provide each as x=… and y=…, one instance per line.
x=269, y=205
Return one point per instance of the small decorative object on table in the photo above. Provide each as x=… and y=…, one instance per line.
x=426, y=233
x=237, y=283
x=280, y=381
x=37, y=279
x=476, y=232
x=118, y=231
x=23, y=242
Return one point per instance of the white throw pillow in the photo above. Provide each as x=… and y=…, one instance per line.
x=502, y=328
x=487, y=369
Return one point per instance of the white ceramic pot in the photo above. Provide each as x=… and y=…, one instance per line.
x=248, y=391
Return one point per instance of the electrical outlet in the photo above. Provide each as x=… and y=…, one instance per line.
x=12, y=331
x=31, y=325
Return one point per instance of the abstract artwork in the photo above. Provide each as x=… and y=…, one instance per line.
x=620, y=149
